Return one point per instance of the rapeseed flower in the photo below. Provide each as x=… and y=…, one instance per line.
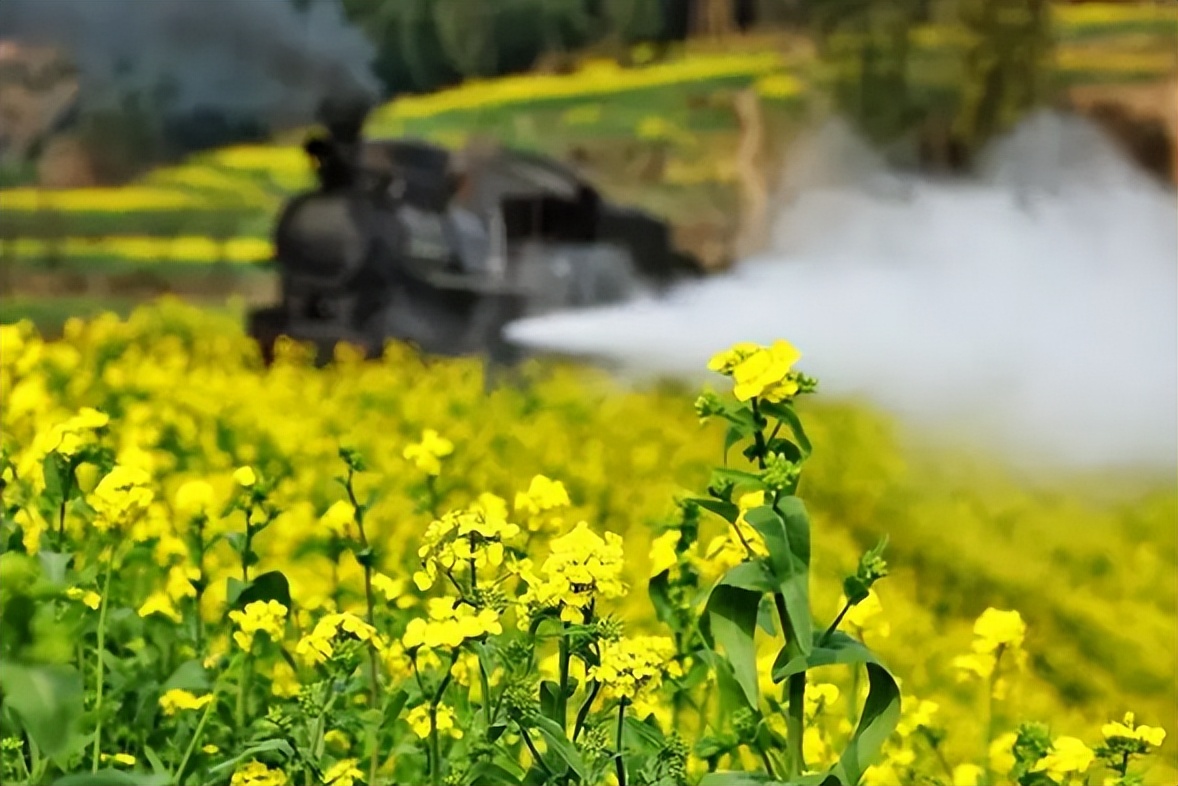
x=419, y=721
x=194, y=498
x=581, y=568
x=268, y=617
x=319, y=645
x=125, y=759
x=121, y=498
x=255, y=773
x=543, y=498
x=177, y=700
x=245, y=477
x=160, y=603
x=470, y=539
x=450, y=623
x=760, y=372
x=1125, y=730
x=427, y=453
x=1067, y=755
x=87, y=597
x=342, y=773
x=633, y=668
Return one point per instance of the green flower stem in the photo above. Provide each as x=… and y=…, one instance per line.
x=768, y=763
x=98, y=680
x=374, y=683
x=620, y=761
x=200, y=727
x=486, y=685
x=523, y=733
x=990, y=713
x=65, y=496
x=435, y=743
x=431, y=485
x=562, y=699
x=583, y=713
x=247, y=669
x=200, y=586
x=245, y=551
x=837, y=620
x=796, y=699
x=794, y=723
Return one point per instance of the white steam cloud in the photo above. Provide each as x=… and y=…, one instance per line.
x=1032, y=309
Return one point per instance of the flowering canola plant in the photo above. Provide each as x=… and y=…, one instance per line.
x=370, y=573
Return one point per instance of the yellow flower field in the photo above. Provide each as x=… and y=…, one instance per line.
x=381, y=571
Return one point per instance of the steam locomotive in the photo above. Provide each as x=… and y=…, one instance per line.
x=407, y=241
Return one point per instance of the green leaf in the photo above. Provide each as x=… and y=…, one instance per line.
x=737, y=477
x=550, y=699
x=281, y=746
x=157, y=764
x=112, y=777
x=17, y=622
x=753, y=575
x=732, y=618
x=648, y=733
x=880, y=713
x=786, y=530
x=236, y=540
x=660, y=598
x=732, y=695
x=54, y=469
x=266, y=587
x=732, y=436
x=394, y=705
x=233, y=590
x=785, y=412
x=55, y=565
x=559, y=745
x=190, y=676
x=725, y=510
x=48, y=701
x=485, y=772
x=767, y=616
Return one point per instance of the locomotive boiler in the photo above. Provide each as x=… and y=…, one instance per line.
x=408, y=241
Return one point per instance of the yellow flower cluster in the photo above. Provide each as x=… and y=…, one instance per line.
x=419, y=721
x=255, y=773
x=995, y=634
x=1067, y=755
x=176, y=700
x=581, y=568
x=759, y=372
x=633, y=668
x=427, y=453
x=121, y=498
x=319, y=645
x=343, y=773
x=87, y=597
x=268, y=617
x=471, y=539
x=1125, y=730
x=450, y=623
x=540, y=503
